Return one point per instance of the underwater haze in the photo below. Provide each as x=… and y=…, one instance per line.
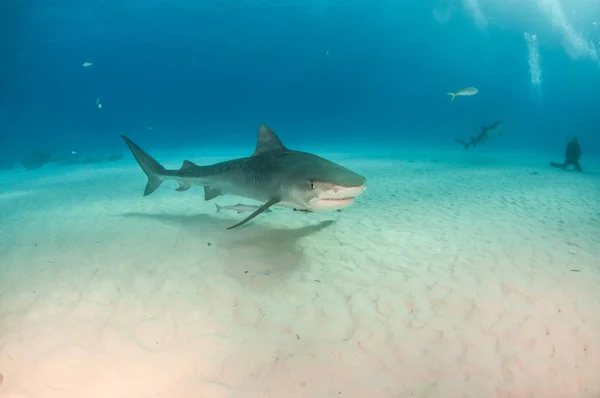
x=299, y=199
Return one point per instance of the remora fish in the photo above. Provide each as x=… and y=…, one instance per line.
x=467, y=91
x=240, y=208
x=493, y=130
x=274, y=175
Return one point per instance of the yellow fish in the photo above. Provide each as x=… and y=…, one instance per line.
x=467, y=91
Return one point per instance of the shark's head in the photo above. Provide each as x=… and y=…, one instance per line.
x=317, y=184
x=311, y=182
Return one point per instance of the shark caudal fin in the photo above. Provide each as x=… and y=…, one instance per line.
x=219, y=208
x=453, y=96
x=154, y=171
x=465, y=144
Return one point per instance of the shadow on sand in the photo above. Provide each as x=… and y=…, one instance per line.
x=251, y=248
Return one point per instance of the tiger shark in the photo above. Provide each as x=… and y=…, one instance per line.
x=274, y=175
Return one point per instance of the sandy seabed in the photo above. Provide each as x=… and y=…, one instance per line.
x=442, y=280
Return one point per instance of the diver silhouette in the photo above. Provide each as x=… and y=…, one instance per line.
x=572, y=155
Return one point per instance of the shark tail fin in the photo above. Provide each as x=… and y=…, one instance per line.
x=465, y=144
x=155, y=172
x=219, y=208
x=453, y=96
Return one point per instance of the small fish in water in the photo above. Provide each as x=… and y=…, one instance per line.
x=325, y=53
x=240, y=208
x=467, y=91
x=303, y=210
x=87, y=64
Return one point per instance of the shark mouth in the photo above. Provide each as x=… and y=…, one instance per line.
x=336, y=198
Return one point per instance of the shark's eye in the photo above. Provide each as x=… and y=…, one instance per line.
x=312, y=185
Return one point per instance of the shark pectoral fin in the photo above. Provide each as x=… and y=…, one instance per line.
x=183, y=186
x=256, y=213
x=211, y=193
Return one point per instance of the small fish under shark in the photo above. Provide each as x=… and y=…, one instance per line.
x=240, y=208
x=274, y=175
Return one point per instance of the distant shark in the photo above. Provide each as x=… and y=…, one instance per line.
x=274, y=175
x=493, y=130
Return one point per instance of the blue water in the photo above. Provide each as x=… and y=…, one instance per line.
x=207, y=73
x=455, y=274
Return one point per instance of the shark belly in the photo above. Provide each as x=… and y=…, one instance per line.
x=290, y=205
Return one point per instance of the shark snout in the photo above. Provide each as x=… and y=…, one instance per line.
x=341, y=192
x=334, y=188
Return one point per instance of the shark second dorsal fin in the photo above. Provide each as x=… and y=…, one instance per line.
x=268, y=142
x=187, y=164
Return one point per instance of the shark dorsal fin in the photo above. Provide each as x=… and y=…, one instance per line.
x=268, y=142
